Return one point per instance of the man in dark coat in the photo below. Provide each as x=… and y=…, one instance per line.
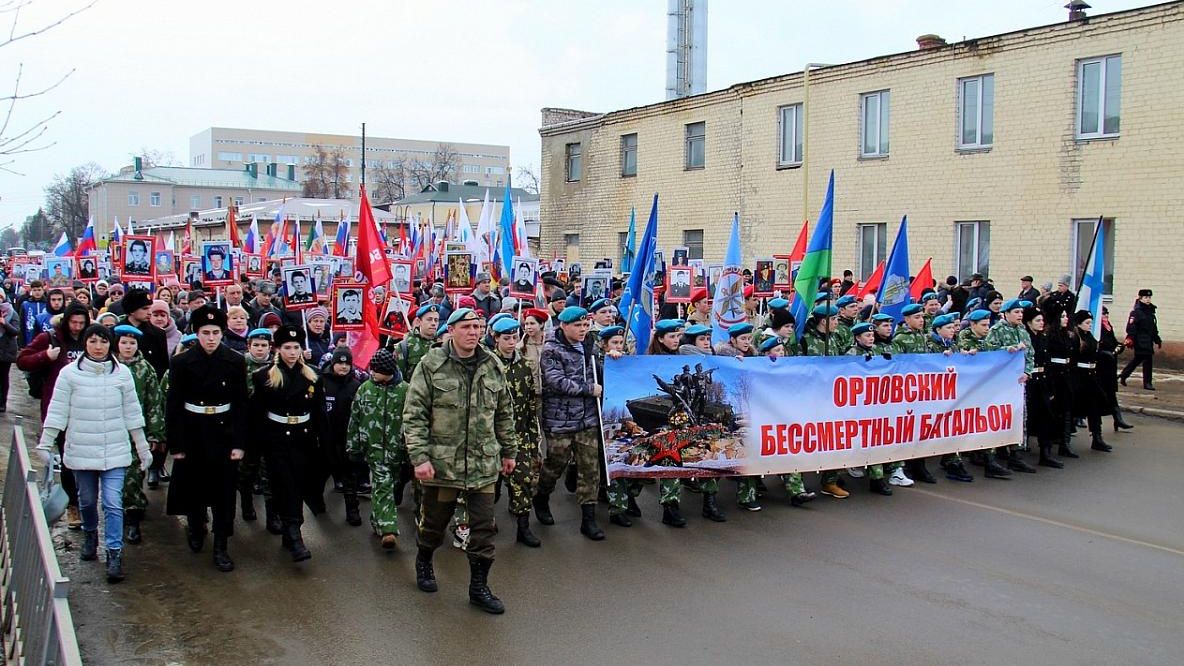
x=1027, y=291
x=1143, y=330
x=205, y=412
x=153, y=343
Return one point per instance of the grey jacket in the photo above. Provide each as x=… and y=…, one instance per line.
x=569, y=372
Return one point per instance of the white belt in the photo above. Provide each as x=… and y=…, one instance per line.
x=207, y=410
x=289, y=420
x=1087, y=366
x=1037, y=370
x=1059, y=361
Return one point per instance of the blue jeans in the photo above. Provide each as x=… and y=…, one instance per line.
x=111, y=482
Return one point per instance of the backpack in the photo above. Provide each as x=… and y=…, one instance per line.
x=36, y=379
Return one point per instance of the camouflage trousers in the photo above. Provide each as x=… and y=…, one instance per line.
x=134, y=498
x=253, y=469
x=746, y=486
x=584, y=446
x=384, y=470
x=524, y=479
x=619, y=493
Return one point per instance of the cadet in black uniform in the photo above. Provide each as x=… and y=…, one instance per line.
x=288, y=417
x=205, y=416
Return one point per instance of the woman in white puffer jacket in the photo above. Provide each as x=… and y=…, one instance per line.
x=95, y=403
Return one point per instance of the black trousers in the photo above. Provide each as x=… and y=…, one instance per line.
x=5, y=367
x=288, y=474
x=1146, y=360
x=436, y=510
x=68, y=482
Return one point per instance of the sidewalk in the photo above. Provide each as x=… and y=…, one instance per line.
x=1167, y=400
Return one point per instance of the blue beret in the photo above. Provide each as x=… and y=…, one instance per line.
x=779, y=303
x=426, y=308
x=611, y=332
x=821, y=296
x=126, y=329
x=844, y=301
x=505, y=325
x=944, y=320
x=880, y=316
x=1013, y=304
x=978, y=315
x=861, y=327
x=972, y=304
x=572, y=314
x=697, y=330
x=825, y=311
x=910, y=309
x=598, y=304
x=769, y=344
x=463, y=314
x=442, y=330
x=928, y=296
x=259, y=333
x=665, y=326
x=1025, y=304
x=188, y=338
x=739, y=329
x=498, y=317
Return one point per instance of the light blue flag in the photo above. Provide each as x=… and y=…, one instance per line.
x=630, y=244
x=1093, y=279
x=727, y=309
x=506, y=231
x=637, y=302
x=894, y=288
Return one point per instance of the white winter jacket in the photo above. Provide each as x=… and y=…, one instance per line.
x=95, y=403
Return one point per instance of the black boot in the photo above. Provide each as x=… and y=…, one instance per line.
x=479, y=592
x=274, y=524
x=1148, y=387
x=300, y=552
x=919, y=472
x=425, y=574
x=90, y=546
x=153, y=478
x=352, y=517
x=542, y=508
x=588, y=526
x=196, y=536
x=880, y=487
x=1064, y=451
x=711, y=509
x=1016, y=463
x=247, y=500
x=672, y=516
x=1046, y=459
x=114, y=566
x=525, y=536
x=994, y=470
x=620, y=519
x=571, y=477
x=1120, y=422
x=222, y=561
x=1098, y=444
x=132, y=518
x=633, y=509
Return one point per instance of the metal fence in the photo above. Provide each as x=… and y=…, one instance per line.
x=38, y=629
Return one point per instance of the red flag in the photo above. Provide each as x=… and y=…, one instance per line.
x=799, y=248
x=403, y=247
x=364, y=344
x=296, y=251
x=232, y=227
x=923, y=281
x=873, y=283
x=187, y=240
x=371, y=259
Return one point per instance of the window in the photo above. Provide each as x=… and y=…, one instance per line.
x=873, y=246
x=230, y=157
x=133, y=198
x=469, y=168
x=973, y=250
x=217, y=202
x=696, y=145
x=258, y=157
x=287, y=159
x=238, y=201
x=875, y=124
x=693, y=240
x=1099, y=84
x=195, y=202
x=628, y=155
x=791, y=135
x=976, y=110
x=575, y=162
x=1083, y=238
x=154, y=199
x=494, y=170
x=571, y=240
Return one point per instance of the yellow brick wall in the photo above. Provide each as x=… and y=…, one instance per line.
x=1036, y=178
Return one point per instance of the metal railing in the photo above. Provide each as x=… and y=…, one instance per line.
x=35, y=614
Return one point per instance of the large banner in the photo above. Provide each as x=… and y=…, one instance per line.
x=682, y=416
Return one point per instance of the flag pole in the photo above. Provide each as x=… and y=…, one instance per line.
x=363, y=154
x=1081, y=276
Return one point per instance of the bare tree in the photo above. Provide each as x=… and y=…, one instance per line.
x=27, y=137
x=388, y=183
x=443, y=165
x=153, y=157
x=527, y=179
x=67, y=197
x=9, y=237
x=324, y=174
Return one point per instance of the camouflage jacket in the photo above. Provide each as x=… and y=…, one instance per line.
x=520, y=378
x=410, y=351
x=1003, y=335
x=908, y=341
x=842, y=337
x=253, y=366
x=459, y=416
x=151, y=397
x=939, y=346
x=816, y=344
x=376, y=419
x=967, y=340
x=884, y=347
x=532, y=352
x=856, y=350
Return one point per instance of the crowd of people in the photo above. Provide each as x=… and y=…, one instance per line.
x=225, y=397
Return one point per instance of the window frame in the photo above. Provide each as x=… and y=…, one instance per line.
x=978, y=143
x=195, y=202
x=690, y=140
x=883, y=125
x=154, y=199
x=694, y=248
x=625, y=152
x=979, y=266
x=880, y=252
x=798, y=131
x=217, y=201
x=574, y=150
x=1101, y=132
x=1077, y=267
x=133, y=198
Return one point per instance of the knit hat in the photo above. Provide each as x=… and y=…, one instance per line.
x=318, y=311
x=383, y=362
x=780, y=318
x=158, y=306
x=270, y=319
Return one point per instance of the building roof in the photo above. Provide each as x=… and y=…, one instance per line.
x=305, y=210
x=198, y=177
x=453, y=193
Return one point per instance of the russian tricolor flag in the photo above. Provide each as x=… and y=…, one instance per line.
x=62, y=249
x=87, y=244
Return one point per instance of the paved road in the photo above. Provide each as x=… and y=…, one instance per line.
x=1080, y=566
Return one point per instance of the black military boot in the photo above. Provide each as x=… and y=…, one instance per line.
x=571, y=477
x=352, y=516
x=620, y=519
x=114, y=565
x=1046, y=459
x=274, y=524
x=479, y=592
x=633, y=509
x=919, y=472
x=542, y=508
x=132, y=519
x=672, y=516
x=711, y=509
x=425, y=574
x=196, y=536
x=525, y=536
x=153, y=478
x=1098, y=444
x=588, y=526
x=880, y=487
x=90, y=546
x=247, y=500
x=1119, y=421
x=1016, y=463
x=222, y=561
x=993, y=469
x=299, y=551
x=1064, y=451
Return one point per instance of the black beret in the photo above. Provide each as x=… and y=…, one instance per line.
x=207, y=315
x=288, y=333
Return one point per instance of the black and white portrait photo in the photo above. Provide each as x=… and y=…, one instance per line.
x=595, y=288
x=680, y=285
x=401, y=277
x=523, y=277
x=137, y=260
x=347, y=306
x=299, y=289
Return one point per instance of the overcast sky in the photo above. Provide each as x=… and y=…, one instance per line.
x=152, y=73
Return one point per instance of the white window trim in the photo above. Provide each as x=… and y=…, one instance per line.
x=881, y=228
x=636, y=142
x=1101, y=133
x=686, y=146
x=797, y=121
x=978, y=143
x=863, y=98
x=133, y=198
x=978, y=229
x=154, y=195
x=1075, y=232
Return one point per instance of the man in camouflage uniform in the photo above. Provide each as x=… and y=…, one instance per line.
x=930, y=307
x=459, y=428
x=819, y=340
x=135, y=502
x=422, y=337
x=848, y=311
x=375, y=435
x=520, y=378
x=252, y=472
x=973, y=338
x=911, y=336
x=1010, y=333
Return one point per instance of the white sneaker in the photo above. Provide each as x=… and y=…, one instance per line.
x=899, y=478
x=856, y=472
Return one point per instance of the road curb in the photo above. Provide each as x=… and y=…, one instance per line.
x=1160, y=413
